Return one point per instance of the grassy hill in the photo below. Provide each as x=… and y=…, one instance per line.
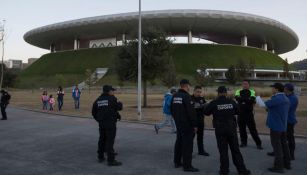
x=68, y=67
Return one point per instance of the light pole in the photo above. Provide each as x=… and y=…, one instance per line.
x=140, y=63
x=2, y=39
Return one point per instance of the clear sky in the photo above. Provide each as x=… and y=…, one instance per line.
x=24, y=15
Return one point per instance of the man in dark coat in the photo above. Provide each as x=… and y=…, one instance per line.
x=224, y=110
x=105, y=112
x=5, y=100
x=185, y=118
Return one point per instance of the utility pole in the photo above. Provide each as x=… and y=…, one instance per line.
x=140, y=64
x=2, y=41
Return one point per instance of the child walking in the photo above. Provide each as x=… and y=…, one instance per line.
x=45, y=100
x=51, y=102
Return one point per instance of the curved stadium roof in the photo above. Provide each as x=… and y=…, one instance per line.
x=222, y=27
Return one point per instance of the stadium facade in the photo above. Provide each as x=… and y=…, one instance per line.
x=221, y=27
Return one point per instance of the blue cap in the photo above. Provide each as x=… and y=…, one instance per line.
x=280, y=87
x=289, y=86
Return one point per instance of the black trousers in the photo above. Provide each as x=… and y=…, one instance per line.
x=280, y=148
x=60, y=103
x=226, y=136
x=247, y=119
x=184, y=147
x=106, y=142
x=200, y=136
x=291, y=139
x=3, y=110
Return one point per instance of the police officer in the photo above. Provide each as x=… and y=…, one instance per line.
x=5, y=99
x=246, y=99
x=105, y=112
x=185, y=118
x=224, y=122
x=199, y=106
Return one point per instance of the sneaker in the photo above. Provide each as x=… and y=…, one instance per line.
x=114, y=163
x=275, y=170
x=156, y=129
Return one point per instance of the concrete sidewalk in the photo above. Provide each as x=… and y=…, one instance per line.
x=35, y=143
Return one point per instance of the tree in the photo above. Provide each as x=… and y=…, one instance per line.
x=286, y=68
x=252, y=65
x=89, y=79
x=201, y=78
x=155, y=51
x=169, y=78
x=9, y=76
x=60, y=79
x=231, y=75
x=242, y=69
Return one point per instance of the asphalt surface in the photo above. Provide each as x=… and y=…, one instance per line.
x=36, y=143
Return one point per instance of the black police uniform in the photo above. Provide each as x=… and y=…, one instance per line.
x=185, y=118
x=199, y=106
x=224, y=122
x=246, y=117
x=5, y=98
x=105, y=112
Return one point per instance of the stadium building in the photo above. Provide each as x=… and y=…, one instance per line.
x=227, y=30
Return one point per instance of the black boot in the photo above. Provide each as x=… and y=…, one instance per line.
x=203, y=153
x=114, y=163
x=243, y=145
x=191, y=169
x=246, y=172
x=270, y=154
x=100, y=159
x=276, y=170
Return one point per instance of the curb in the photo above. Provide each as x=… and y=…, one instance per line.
x=125, y=121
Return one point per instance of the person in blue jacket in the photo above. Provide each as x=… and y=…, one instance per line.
x=278, y=108
x=289, y=88
x=167, y=113
x=76, y=93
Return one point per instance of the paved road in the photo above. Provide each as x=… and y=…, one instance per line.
x=35, y=143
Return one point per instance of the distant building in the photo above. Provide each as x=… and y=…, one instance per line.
x=24, y=65
x=258, y=74
x=13, y=64
x=31, y=61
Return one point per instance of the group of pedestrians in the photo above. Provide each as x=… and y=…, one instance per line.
x=281, y=120
x=48, y=102
x=188, y=111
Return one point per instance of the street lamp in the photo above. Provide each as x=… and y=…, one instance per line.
x=140, y=64
x=2, y=40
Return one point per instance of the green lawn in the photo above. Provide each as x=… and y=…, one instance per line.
x=187, y=58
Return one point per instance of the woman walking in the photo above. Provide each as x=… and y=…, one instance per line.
x=60, y=97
